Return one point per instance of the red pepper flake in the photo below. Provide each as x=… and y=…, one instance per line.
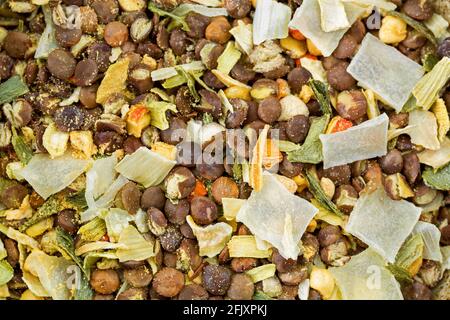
x=341, y=125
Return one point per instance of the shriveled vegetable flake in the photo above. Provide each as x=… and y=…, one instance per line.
x=365, y=277
x=48, y=176
x=6, y=272
x=440, y=112
x=424, y=129
x=385, y=70
x=229, y=57
x=332, y=15
x=231, y=207
x=113, y=81
x=431, y=236
x=438, y=25
x=315, y=67
x=212, y=238
x=243, y=34
x=245, y=247
x=47, y=42
x=166, y=73
x=158, y=113
x=360, y=142
x=270, y=21
x=136, y=247
x=382, y=223
x=436, y=158
x=145, y=167
x=379, y=4
x=256, y=170
x=262, y=272
x=116, y=221
x=438, y=180
x=277, y=216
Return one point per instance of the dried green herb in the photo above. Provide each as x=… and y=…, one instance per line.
x=259, y=295
x=190, y=82
x=23, y=150
x=429, y=61
x=311, y=150
x=400, y=274
x=319, y=194
x=11, y=89
x=439, y=179
x=416, y=25
x=322, y=95
x=207, y=118
x=178, y=20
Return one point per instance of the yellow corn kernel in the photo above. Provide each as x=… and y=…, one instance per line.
x=236, y=92
x=312, y=226
x=84, y=142
x=306, y=93
x=295, y=48
x=283, y=88
x=28, y=295
x=138, y=118
x=301, y=182
x=166, y=150
x=322, y=281
x=393, y=30
x=312, y=48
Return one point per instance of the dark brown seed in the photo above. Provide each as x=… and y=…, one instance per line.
x=108, y=141
x=157, y=222
x=170, y=260
x=105, y=281
x=171, y=239
x=279, y=72
x=242, y=72
x=67, y=37
x=243, y=264
x=89, y=19
x=177, y=213
x=314, y=108
x=314, y=295
x=298, y=77
x=61, y=64
x=175, y=133
x=346, y=48
x=100, y=53
x=168, y=282
x=197, y=24
x=12, y=252
x=138, y=277
x=346, y=195
x=178, y=41
x=85, y=73
x=210, y=102
x=6, y=66
x=417, y=291
x=107, y=10
x=150, y=49
x=140, y=78
x=269, y=110
x=153, y=197
x=411, y=167
x=131, y=144
x=236, y=118
x=212, y=81
x=186, y=231
x=66, y=219
x=241, y=287
x=444, y=49
x=414, y=40
x=193, y=292
x=328, y=235
x=238, y=9
x=183, y=100
x=445, y=235
x=133, y=294
x=224, y=187
x=88, y=96
x=103, y=297
x=179, y=183
x=131, y=264
x=404, y=143
x=282, y=264
x=418, y=9
x=290, y=169
x=330, y=62
x=392, y=162
x=16, y=44
x=339, y=78
x=130, y=197
x=294, y=277
x=210, y=171
x=203, y=210
x=297, y=128
x=339, y=174
x=69, y=118
x=358, y=31
x=30, y=73
x=399, y=120
x=216, y=279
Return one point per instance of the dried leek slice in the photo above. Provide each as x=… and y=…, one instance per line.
x=275, y=215
x=436, y=158
x=365, y=277
x=440, y=111
x=243, y=34
x=307, y=20
x=48, y=176
x=382, y=223
x=229, y=57
x=245, y=247
x=270, y=21
x=262, y=272
x=145, y=167
x=100, y=177
x=360, y=142
x=231, y=207
x=116, y=220
x=169, y=72
x=427, y=89
x=212, y=238
x=386, y=71
x=438, y=25
x=431, y=236
x=332, y=15
x=98, y=245
x=136, y=247
x=424, y=129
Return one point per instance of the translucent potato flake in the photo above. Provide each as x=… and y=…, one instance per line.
x=431, y=236
x=360, y=142
x=365, y=277
x=382, y=223
x=275, y=215
x=386, y=71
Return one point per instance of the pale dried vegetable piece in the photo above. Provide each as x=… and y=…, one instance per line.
x=245, y=247
x=438, y=25
x=114, y=80
x=48, y=176
x=360, y=142
x=212, y=238
x=386, y=71
x=262, y=272
x=382, y=223
x=145, y=167
x=243, y=34
x=431, y=236
x=55, y=141
x=436, y=158
x=270, y=21
x=440, y=112
x=424, y=129
x=231, y=207
x=332, y=15
x=275, y=215
x=365, y=277
x=135, y=246
x=322, y=281
x=315, y=67
x=256, y=169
